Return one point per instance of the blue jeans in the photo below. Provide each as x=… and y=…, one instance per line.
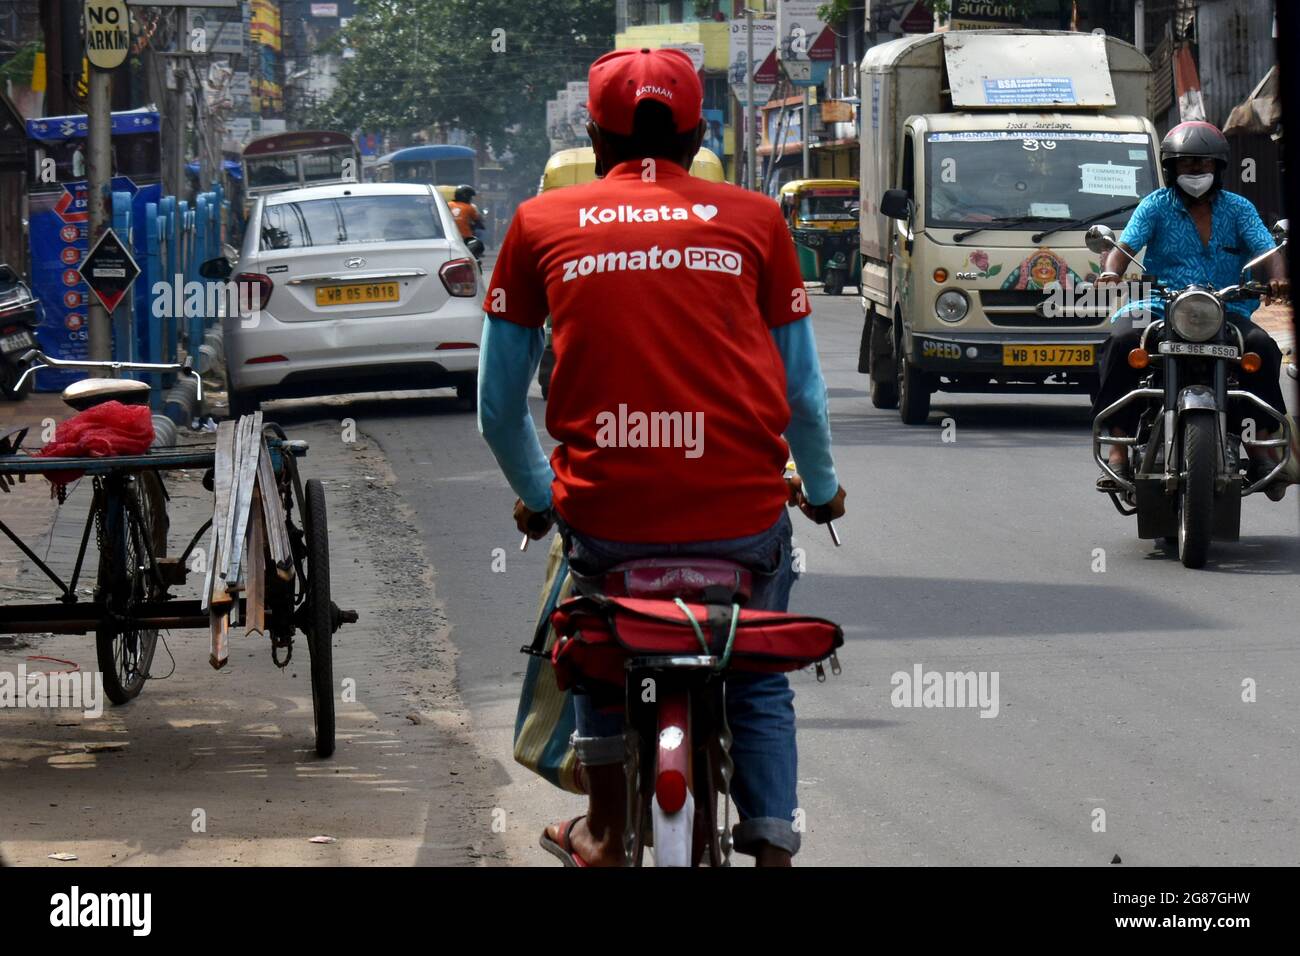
x=760, y=707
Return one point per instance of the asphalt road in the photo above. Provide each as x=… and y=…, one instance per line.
x=1121, y=727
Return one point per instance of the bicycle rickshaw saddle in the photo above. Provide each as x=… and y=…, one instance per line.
x=90, y=392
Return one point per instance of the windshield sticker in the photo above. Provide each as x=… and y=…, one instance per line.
x=1139, y=154
x=1040, y=270
x=1050, y=210
x=1028, y=90
x=995, y=135
x=1032, y=145
x=1107, y=179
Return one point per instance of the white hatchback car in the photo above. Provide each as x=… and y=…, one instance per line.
x=357, y=287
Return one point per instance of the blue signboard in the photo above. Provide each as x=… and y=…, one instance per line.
x=59, y=220
x=1029, y=91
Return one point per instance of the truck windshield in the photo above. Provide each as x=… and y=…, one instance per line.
x=1002, y=180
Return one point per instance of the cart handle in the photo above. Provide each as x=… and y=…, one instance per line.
x=40, y=360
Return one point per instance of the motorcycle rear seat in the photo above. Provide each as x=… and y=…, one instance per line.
x=699, y=579
x=90, y=392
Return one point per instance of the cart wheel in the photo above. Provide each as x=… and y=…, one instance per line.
x=138, y=518
x=320, y=614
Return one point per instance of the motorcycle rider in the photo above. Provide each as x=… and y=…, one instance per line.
x=468, y=219
x=666, y=292
x=1195, y=232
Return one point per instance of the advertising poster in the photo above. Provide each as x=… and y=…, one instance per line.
x=59, y=219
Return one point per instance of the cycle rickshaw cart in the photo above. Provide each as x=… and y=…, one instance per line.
x=267, y=566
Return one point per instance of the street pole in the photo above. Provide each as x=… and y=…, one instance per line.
x=751, y=154
x=807, y=157
x=99, y=174
x=180, y=120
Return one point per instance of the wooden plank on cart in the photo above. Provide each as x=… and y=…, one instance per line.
x=255, y=570
x=223, y=470
x=219, y=625
x=248, y=447
x=277, y=533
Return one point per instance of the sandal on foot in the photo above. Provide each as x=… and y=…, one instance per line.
x=565, y=852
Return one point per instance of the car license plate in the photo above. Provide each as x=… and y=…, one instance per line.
x=17, y=341
x=357, y=294
x=1047, y=355
x=1190, y=348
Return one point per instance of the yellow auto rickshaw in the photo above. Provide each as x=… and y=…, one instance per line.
x=823, y=218
x=571, y=167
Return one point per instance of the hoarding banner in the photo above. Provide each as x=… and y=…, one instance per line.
x=764, y=56
x=806, y=46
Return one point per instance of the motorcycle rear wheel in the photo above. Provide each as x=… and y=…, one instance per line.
x=1196, y=499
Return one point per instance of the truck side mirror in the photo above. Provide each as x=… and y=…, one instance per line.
x=896, y=205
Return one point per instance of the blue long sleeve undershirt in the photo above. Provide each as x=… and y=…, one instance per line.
x=509, y=355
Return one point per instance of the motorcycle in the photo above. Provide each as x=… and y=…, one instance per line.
x=657, y=638
x=1188, y=476
x=21, y=314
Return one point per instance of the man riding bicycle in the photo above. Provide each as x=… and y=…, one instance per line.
x=676, y=303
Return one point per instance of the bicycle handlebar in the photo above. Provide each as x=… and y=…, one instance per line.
x=40, y=360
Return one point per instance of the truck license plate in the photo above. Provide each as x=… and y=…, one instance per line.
x=357, y=294
x=1047, y=355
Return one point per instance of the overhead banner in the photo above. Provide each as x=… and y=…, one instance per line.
x=764, y=57
x=806, y=47
x=981, y=15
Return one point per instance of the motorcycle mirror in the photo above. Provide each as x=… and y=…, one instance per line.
x=1099, y=239
x=1281, y=229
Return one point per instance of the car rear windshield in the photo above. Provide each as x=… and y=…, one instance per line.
x=348, y=219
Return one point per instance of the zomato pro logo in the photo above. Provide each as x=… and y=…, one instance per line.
x=693, y=257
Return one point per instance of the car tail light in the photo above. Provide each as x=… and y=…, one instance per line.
x=456, y=345
x=10, y=330
x=460, y=277
x=254, y=291
x=263, y=359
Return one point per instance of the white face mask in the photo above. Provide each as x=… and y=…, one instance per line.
x=1196, y=186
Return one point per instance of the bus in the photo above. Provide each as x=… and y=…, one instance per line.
x=439, y=165
x=304, y=158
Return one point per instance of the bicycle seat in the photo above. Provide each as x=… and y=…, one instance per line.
x=713, y=580
x=90, y=392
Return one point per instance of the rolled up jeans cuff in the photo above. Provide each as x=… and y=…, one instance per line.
x=748, y=836
x=599, y=751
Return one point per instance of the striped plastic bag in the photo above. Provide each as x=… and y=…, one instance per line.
x=545, y=721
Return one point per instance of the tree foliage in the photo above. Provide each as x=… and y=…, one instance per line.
x=484, y=66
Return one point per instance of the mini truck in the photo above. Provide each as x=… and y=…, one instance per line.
x=986, y=155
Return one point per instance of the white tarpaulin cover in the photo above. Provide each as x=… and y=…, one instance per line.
x=1010, y=71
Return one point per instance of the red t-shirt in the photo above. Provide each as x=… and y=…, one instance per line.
x=668, y=395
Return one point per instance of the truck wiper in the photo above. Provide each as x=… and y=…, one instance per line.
x=1002, y=221
x=1086, y=221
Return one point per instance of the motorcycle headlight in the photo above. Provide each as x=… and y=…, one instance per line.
x=1196, y=315
x=952, y=305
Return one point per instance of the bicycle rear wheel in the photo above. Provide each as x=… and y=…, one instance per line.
x=132, y=532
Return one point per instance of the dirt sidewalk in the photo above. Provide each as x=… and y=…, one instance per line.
x=209, y=767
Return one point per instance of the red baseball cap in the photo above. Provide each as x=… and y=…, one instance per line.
x=619, y=81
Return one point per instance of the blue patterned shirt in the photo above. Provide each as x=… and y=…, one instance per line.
x=1175, y=253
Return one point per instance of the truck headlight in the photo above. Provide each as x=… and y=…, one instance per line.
x=1196, y=315
x=952, y=305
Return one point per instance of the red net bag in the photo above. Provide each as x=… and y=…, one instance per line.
x=108, y=429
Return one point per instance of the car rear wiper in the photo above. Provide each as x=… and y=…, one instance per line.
x=1086, y=221
x=1000, y=220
